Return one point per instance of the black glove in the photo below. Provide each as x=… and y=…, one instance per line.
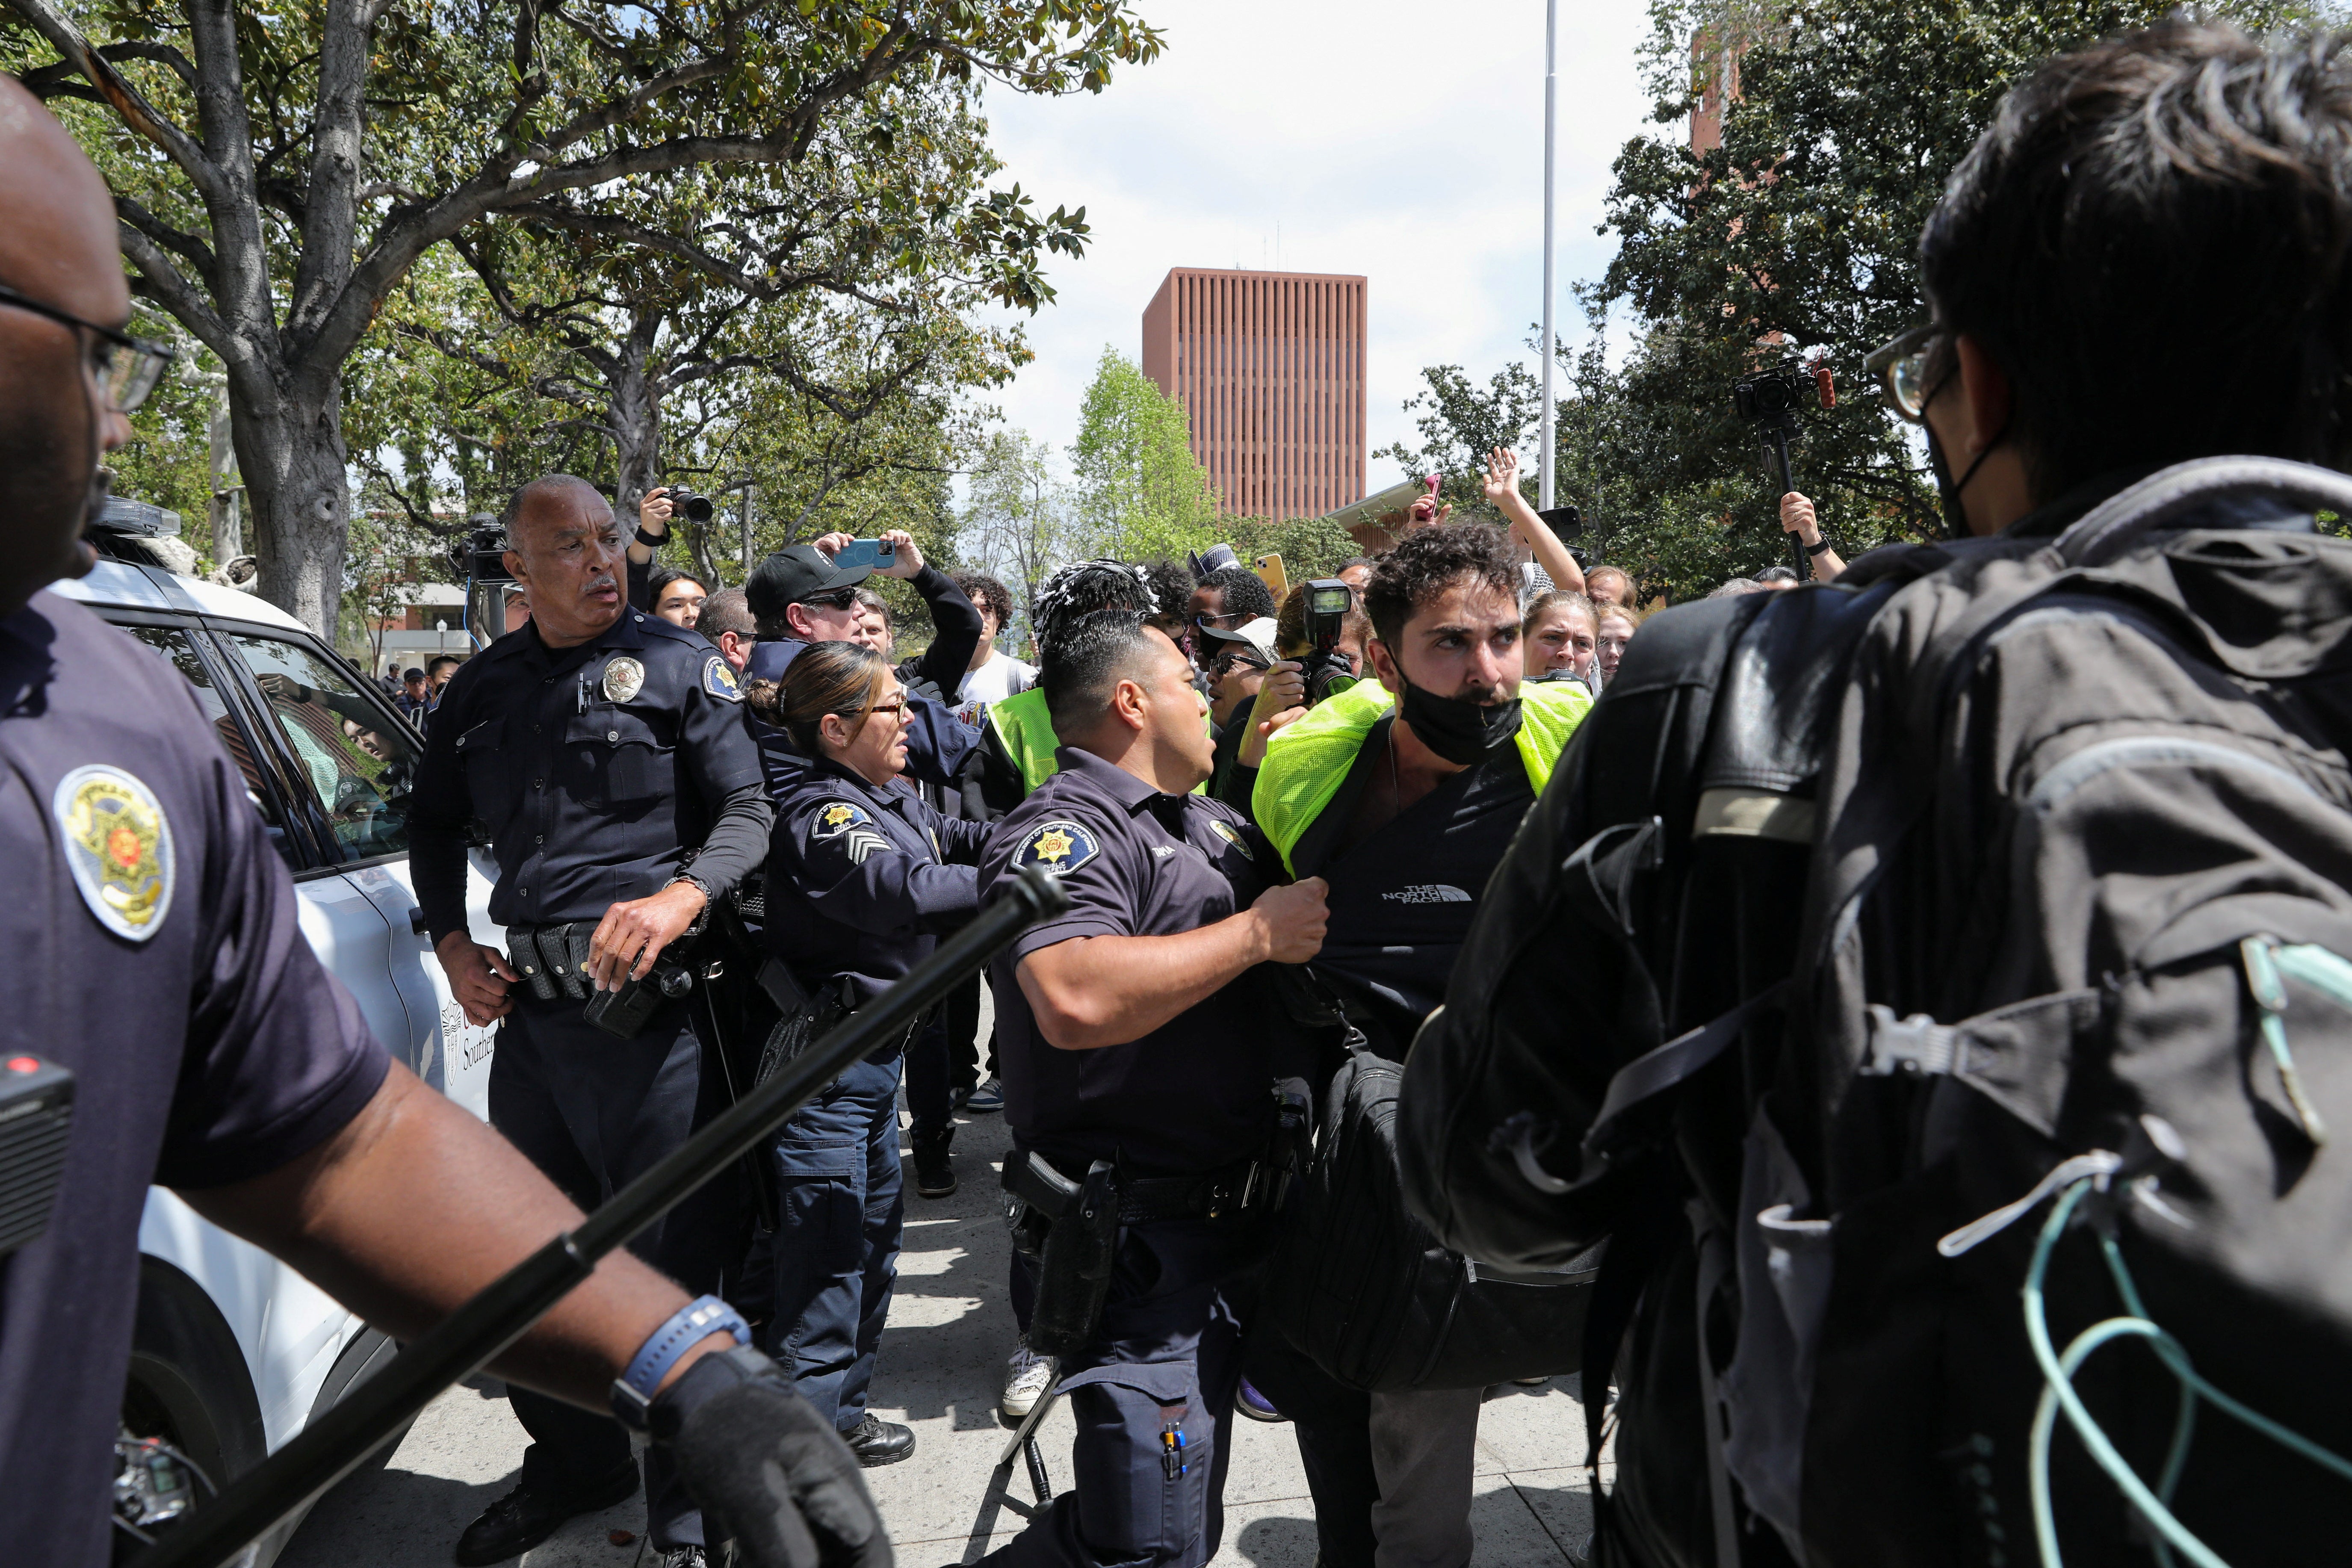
x=765, y=1468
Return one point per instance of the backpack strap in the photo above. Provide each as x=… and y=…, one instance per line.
x=2160, y=500
x=2019, y=1057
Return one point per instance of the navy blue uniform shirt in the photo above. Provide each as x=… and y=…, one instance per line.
x=863, y=879
x=153, y=948
x=596, y=769
x=1195, y=1094
x=937, y=743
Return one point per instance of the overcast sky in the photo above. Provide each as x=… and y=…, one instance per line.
x=1401, y=141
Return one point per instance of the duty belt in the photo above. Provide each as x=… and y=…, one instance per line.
x=1242, y=1187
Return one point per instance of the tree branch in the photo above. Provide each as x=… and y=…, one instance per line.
x=128, y=104
x=171, y=290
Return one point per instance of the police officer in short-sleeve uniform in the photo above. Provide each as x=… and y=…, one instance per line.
x=607, y=772
x=1186, y=1110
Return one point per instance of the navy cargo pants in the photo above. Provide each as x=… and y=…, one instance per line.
x=835, y=1251
x=593, y=1112
x=1153, y=1394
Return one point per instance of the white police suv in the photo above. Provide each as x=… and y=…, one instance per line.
x=235, y=1352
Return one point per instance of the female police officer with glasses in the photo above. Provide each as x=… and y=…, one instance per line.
x=863, y=879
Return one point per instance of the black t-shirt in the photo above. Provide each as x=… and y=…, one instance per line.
x=1402, y=901
x=153, y=948
x=1195, y=1094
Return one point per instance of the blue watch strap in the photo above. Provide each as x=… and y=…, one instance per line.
x=632, y=1391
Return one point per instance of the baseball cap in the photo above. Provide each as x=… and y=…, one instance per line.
x=791, y=574
x=1257, y=635
x=412, y=674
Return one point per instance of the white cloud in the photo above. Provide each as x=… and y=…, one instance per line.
x=1400, y=141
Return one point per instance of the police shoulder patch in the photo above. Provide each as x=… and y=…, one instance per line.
x=119, y=843
x=719, y=680
x=1230, y=834
x=835, y=818
x=1059, y=845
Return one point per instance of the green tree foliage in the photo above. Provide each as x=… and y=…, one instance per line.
x=1794, y=239
x=1138, y=491
x=279, y=171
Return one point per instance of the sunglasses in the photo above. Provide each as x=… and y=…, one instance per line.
x=1901, y=367
x=1219, y=620
x=128, y=367
x=1224, y=662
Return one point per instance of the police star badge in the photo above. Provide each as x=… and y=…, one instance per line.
x=623, y=679
x=835, y=818
x=1059, y=847
x=119, y=843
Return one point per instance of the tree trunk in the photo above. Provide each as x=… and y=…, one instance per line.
x=290, y=450
x=633, y=391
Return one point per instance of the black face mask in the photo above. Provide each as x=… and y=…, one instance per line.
x=1462, y=733
x=1947, y=488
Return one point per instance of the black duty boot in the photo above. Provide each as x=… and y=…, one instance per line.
x=879, y=1442
x=526, y=1516
x=934, y=1173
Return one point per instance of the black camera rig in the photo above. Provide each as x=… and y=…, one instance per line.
x=1770, y=400
x=1326, y=669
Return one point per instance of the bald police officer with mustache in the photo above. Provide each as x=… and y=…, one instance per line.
x=600, y=744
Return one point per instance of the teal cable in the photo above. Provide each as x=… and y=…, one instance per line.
x=2058, y=1392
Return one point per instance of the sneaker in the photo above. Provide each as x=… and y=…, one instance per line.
x=879, y=1442
x=989, y=1095
x=1256, y=1406
x=684, y=1557
x=1026, y=1379
x=934, y=1173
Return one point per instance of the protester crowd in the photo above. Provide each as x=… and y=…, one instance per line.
x=1802, y=1012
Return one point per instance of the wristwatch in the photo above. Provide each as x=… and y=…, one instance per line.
x=699, y=886
x=1819, y=549
x=651, y=540
x=632, y=1391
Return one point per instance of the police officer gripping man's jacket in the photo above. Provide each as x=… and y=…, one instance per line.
x=1139, y=1082
x=156, y=953
x=605, y=749
x=864, y=878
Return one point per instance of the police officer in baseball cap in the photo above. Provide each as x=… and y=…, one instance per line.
x=158, y=955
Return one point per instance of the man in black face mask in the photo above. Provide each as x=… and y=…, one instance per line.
x=1403, y=792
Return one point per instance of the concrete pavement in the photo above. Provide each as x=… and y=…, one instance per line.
x=950, y=1328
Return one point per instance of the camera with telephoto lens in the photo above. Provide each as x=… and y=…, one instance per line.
x=691, y=505
x=1775, y=396
x=1325, y=667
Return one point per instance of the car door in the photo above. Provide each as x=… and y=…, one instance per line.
x=353, y=762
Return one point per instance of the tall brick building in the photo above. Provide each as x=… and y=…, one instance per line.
x=1270, y=369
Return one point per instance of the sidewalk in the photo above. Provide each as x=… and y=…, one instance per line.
x=941, y=1359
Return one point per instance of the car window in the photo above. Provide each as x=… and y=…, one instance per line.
x=172, y=643
x=360, y=762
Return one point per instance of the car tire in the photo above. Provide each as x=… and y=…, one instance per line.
x=188, y=1382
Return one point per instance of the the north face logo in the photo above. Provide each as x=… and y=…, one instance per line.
x=1428, y=893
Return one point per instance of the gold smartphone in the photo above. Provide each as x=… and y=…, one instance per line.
x=1269, y=571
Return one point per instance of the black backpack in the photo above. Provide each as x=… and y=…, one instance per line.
x=1955, y=954
x=1358, y=1286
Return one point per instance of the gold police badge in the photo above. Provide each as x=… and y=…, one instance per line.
x=119, y=843
x=623, y=679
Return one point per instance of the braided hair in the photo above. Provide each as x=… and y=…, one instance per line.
x=1084, y=588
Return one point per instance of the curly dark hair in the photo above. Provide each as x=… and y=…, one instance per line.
x=1243, y=591
x=987, y=594
x=1171, y=585
x=1083, y=588
x=1426, y=562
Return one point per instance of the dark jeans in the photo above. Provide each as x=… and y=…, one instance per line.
x=1164, y=1360
x=930, y=1093
x=836, y=1252
x=593, y=1112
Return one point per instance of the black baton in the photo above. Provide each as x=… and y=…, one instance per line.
x=334, y=1445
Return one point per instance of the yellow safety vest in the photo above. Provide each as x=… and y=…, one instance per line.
x=1307, y=762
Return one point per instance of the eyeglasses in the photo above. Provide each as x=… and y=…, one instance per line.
x=1224, y=662
x=1901, y=367
x=894, y=709
x=128, y=367
x=1206, y=621
x=831, y=599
